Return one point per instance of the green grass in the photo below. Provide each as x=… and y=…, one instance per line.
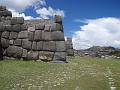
x=81, y=73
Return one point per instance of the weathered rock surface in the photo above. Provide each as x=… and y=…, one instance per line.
x=21, y=39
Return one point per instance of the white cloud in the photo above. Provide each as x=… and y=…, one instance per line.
x=20, y=5
x=17, y=14
x=98, y=32
x=47, y=12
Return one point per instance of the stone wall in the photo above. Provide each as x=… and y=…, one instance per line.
x=69, y=47
x=32, y=40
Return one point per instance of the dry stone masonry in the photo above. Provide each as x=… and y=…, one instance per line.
x=31, y=39
x=69, y=47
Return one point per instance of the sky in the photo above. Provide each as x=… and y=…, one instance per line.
x=88, y=22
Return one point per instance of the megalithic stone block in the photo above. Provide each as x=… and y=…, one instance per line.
x=31, y=29
x=1, y=13
x=47, y=28
x=3, y=18
x=2, y=8
x=69, y=46
x=7, y=13
x=46, y=56
x=46, y=36
x=60, y=46
x=70, y=52
x=59, y=56
x=5, y=34
x=17, y=20
x=13, y=35
x=26, y=44
x=4, y=43
x=11, y=42
x=53, y=27
x=49, y=46
x=8, y=18
x=57, y=36
x=23, y=35
x=34, y=46
x=24, y=54
x=32, y=55
x=40, y=45
x=2, y=27
x=8, y=28
x=59, y=27
x=52, y=46
x=18, y=42
x=14, y=51
x=24, y=27
x=40, y=26
x=31, y=36
x=58, y=19
x=16, y=28
x=38, y=35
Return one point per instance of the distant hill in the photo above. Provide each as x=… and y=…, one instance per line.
x=98, y=51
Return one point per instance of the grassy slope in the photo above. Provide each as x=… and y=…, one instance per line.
x=78, y=74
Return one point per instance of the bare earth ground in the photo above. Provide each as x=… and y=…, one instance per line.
x=81, y=73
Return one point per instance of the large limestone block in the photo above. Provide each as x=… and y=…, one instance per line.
x=58, y=36
x=14, y=51
x=8, y=28
x=31, y=36
x=2, y=8
x=59, y=27
x=7, y=13
x=39, y=45
x=11, y=42
x=69, y=46
x=34, y=45
x=24, y=27
x=13, y=35
x=32, y=55
x=5, y=34
x=59, y=56
x=46, y=56
x=60, y=46
x=18, y=42
x=52, y=46
x=16, y=28
x=46, y=36
x=17, y=20
x=8, y=18
x=47, y=28
x=40, y=26
x=8, y=58
x=23, y=35
x=26, y=44
x=4, y=43
x=53, y=27
x=37, y=35
x=2, y=27
x=31, y=29
x=70, y=52
x=4, y=52
x=24, y=54
x=58, y=19
x=49, y=46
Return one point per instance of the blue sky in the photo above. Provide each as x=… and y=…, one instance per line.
x=87, y=22
x=81, y=9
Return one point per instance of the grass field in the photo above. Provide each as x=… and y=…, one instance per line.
x=79, y=74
